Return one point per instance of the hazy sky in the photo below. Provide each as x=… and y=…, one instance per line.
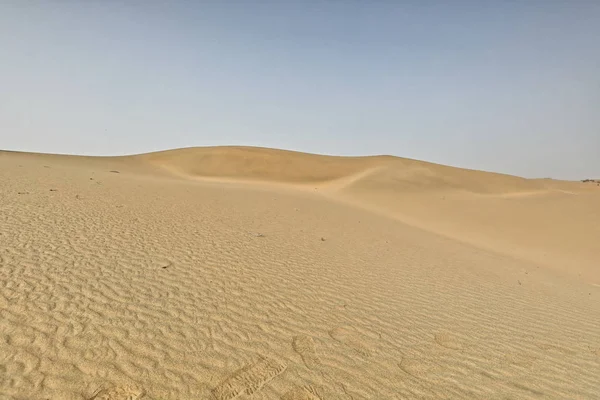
x=507, y=86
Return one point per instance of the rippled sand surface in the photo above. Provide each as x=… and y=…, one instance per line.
x=237, y=273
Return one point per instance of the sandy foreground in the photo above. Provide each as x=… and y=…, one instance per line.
x=225, y=273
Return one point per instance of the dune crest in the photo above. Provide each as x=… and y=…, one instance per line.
x=283, y=166
x=258, y=164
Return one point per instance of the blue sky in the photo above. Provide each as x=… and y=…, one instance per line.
x=507, y=86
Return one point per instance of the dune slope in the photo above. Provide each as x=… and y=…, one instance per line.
x=258, y=164
x=534, y=219
x=272, y=165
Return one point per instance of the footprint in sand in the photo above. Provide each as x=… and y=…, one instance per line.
x=351, y=339
x=161, y=263
x=303, y=393
x=551, y=347
x=448, y=341
x=520, y=359
x=305, y=347
x=415, y=367
x=594, y=350
x=128, y=392
x=249, y=379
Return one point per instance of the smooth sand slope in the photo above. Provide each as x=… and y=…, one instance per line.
x=244, y=273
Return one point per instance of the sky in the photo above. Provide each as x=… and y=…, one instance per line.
x=507, y=86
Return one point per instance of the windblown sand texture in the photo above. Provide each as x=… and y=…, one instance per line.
x=247, y=273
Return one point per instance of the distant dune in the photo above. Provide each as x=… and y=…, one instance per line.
x=260, y=164
x=237, y=273
x=271, y=165
x=495, y=211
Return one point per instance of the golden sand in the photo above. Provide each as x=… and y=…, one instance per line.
x=247, y=273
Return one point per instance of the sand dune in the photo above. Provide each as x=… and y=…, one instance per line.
x=247, y=273
x=528, y=218
x=272, y=165
x=259, y=164
x=552, y=223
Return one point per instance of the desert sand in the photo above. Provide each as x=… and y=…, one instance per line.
x=248, y=273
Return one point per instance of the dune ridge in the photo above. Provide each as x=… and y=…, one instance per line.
x=257, y=164
x=459, y=203
x=283, y=166
x=244, y=273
